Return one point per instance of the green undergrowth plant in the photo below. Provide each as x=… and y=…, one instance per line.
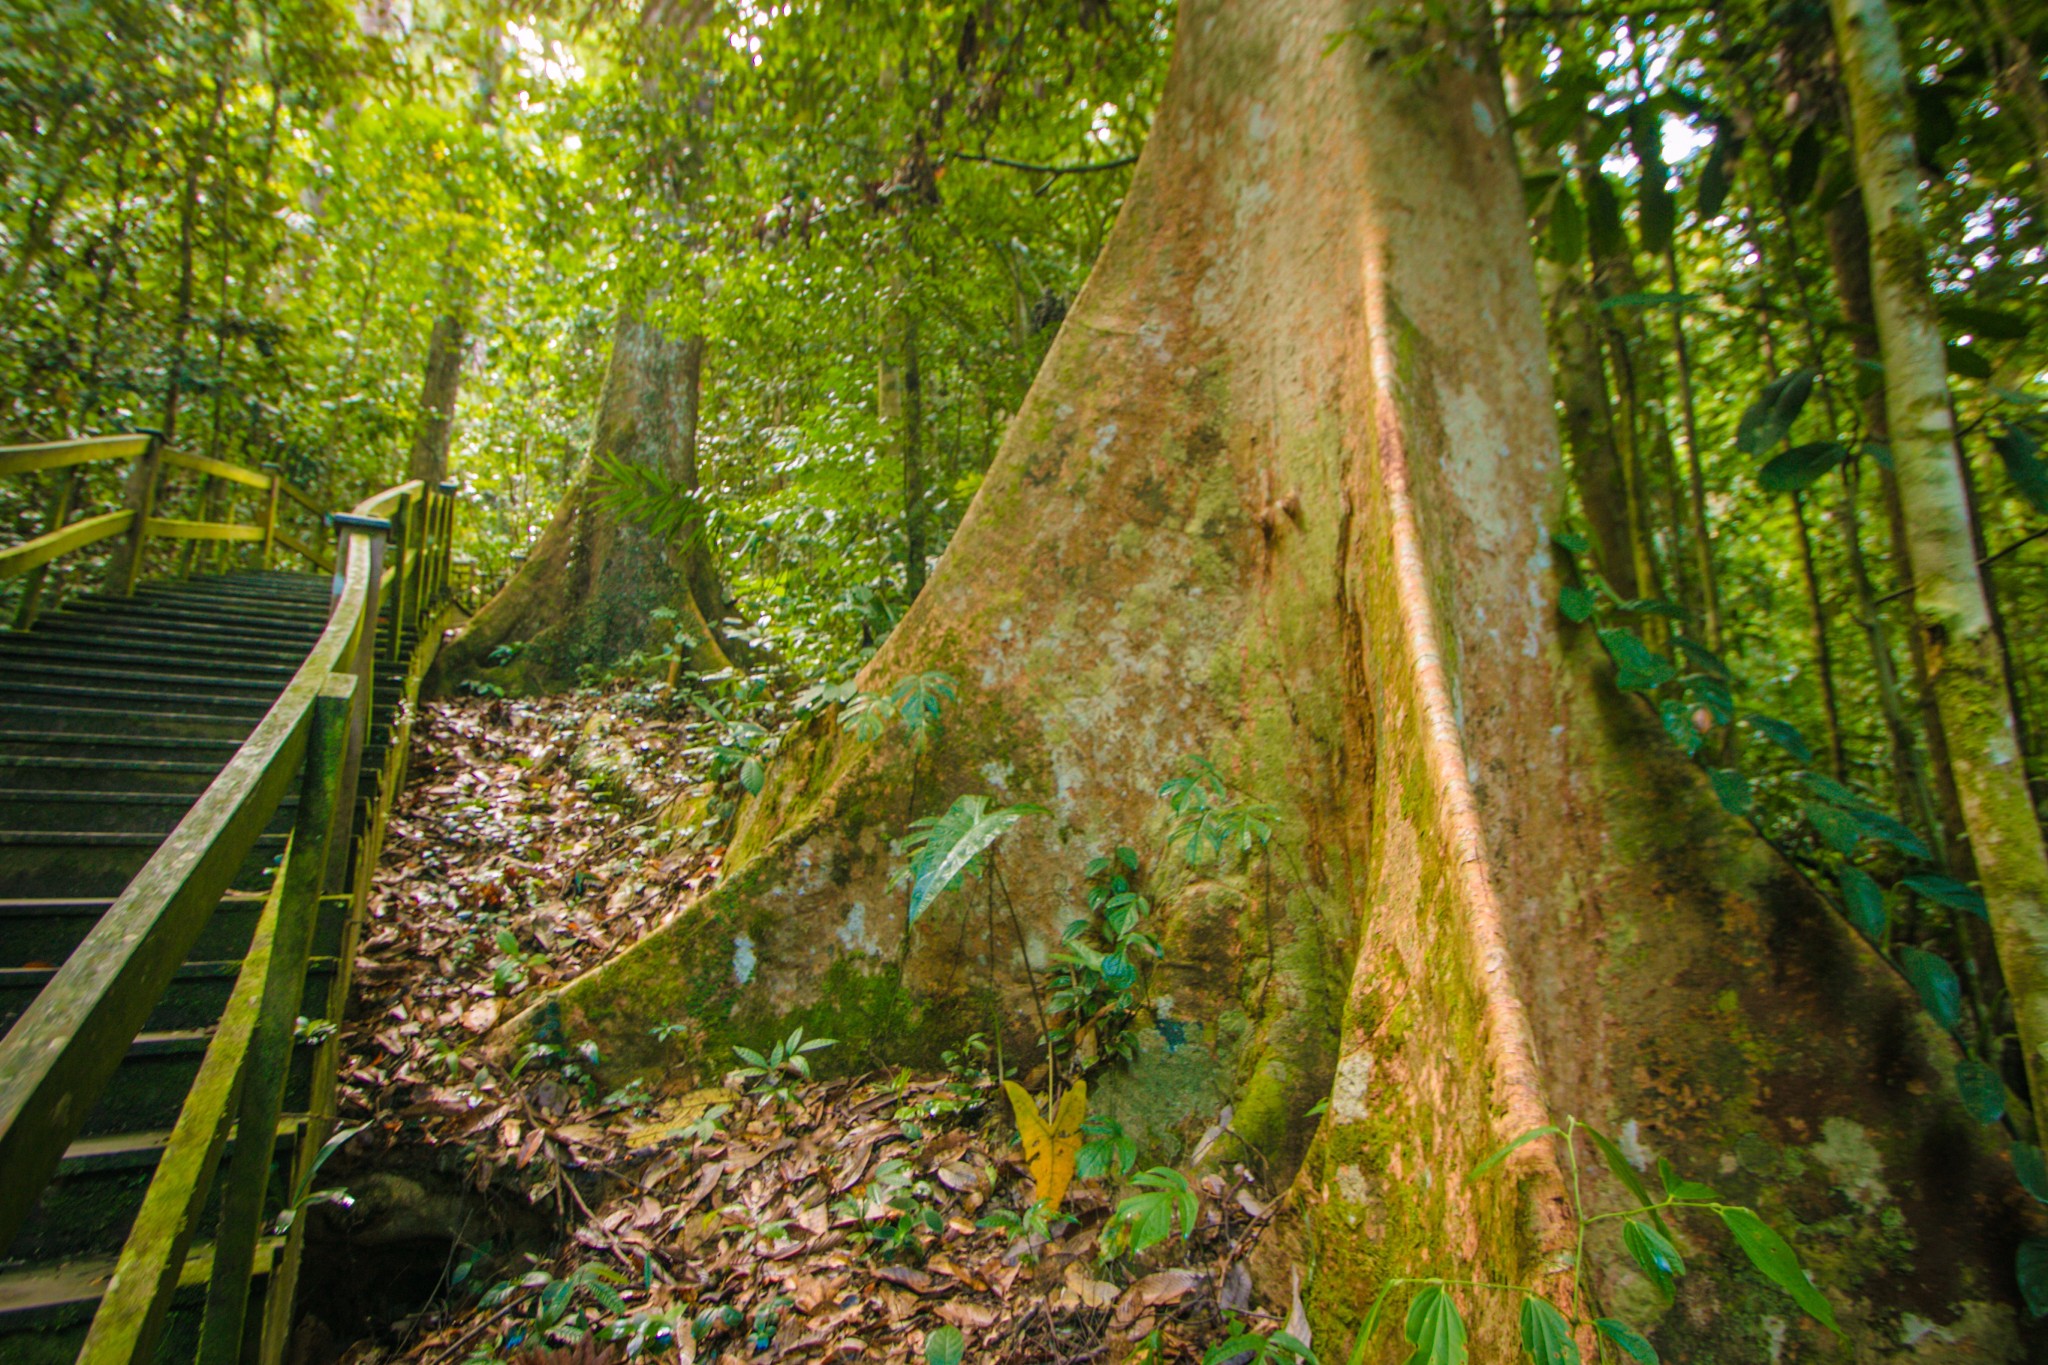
x=1866, y=864
x=1435, y=1327
x=775, y=1074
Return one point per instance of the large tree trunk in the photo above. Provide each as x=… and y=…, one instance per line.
x=439, y=388
x=1949, y=597
x=1282, y=496
x=587, y=593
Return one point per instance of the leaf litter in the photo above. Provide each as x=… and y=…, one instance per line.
x=851, y=1219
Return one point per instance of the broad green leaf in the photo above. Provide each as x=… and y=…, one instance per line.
x=1566, y=241
x=1994, y=324
x=1982, y=1091
x=1578, y=603
x=1786, y=737
x=1714, y=180
x=2031, y=1265
x=1803, y=167
x=1801, y=466
x=1603, y=217
x=1704, y=659
x=1677, y=718
x=1677, y=1186
x=1766, y=423
x=1940, y=993
x=2021, y=454
x=1838, y=829
x=753, y=776
x=1863, y=901
x=1628, y=1339
x=945, y=1346
x=1773, y=1255
x=1889, y=830
x=1732, y=789
x=1640, y=669
x=1625, y=1173
x=1947, y=891
x=1546, y=1336
x=1502, y=1153
x=1831, y=791
x=1934, y=123
x=1653, y=606
x=1654, y=1254
x=963, y=834
x=1571, y=542
x=2031, y=1167
x=1434, y=1329
x=1968, y=362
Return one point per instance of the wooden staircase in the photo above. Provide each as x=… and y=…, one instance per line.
x=166, y=957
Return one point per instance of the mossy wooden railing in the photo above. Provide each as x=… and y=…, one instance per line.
x=390, y=580
x=138, y=524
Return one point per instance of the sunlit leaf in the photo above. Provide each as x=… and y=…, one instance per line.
x=1773, y=1255
x=1941, y=994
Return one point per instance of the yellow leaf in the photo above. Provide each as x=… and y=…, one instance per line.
x=1050, y=1149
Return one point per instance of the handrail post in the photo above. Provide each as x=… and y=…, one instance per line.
x=362, y=663
x=401, y=525
x=270, y=512
x=141, y=496
x=247, y=1178
x=53, y=520
x=446, y=573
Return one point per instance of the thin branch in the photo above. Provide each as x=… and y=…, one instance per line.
x=1072, y=168
x=1991, y=558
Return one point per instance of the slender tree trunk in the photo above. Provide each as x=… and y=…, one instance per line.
x=1849, y=256
x=439, y=388
x=1823, y=652
x=2005, y=833
x=1696, y=502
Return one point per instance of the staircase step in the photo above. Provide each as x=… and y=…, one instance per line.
x=124, y=812
x=60, y=862
x=44, y=930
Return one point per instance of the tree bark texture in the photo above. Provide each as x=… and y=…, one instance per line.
x=1949, y=597
x=1283, y=496
x=587, y=592
x=442, y=384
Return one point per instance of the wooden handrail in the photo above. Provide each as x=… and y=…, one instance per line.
x=59, y=538
x=19, y=559
x=63, y=454
x=219, y=469
x=63, y=1050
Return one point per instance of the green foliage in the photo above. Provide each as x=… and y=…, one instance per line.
x=775, y=1073
x=1435, y=1329
x=1165, y=1206
x=1207, y=821
x=946, y=847
x=945, y=1346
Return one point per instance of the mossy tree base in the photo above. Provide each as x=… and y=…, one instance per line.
x=1282, y=496
x=587, y=594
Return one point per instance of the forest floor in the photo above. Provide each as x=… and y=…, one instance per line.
x=883, y=1217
